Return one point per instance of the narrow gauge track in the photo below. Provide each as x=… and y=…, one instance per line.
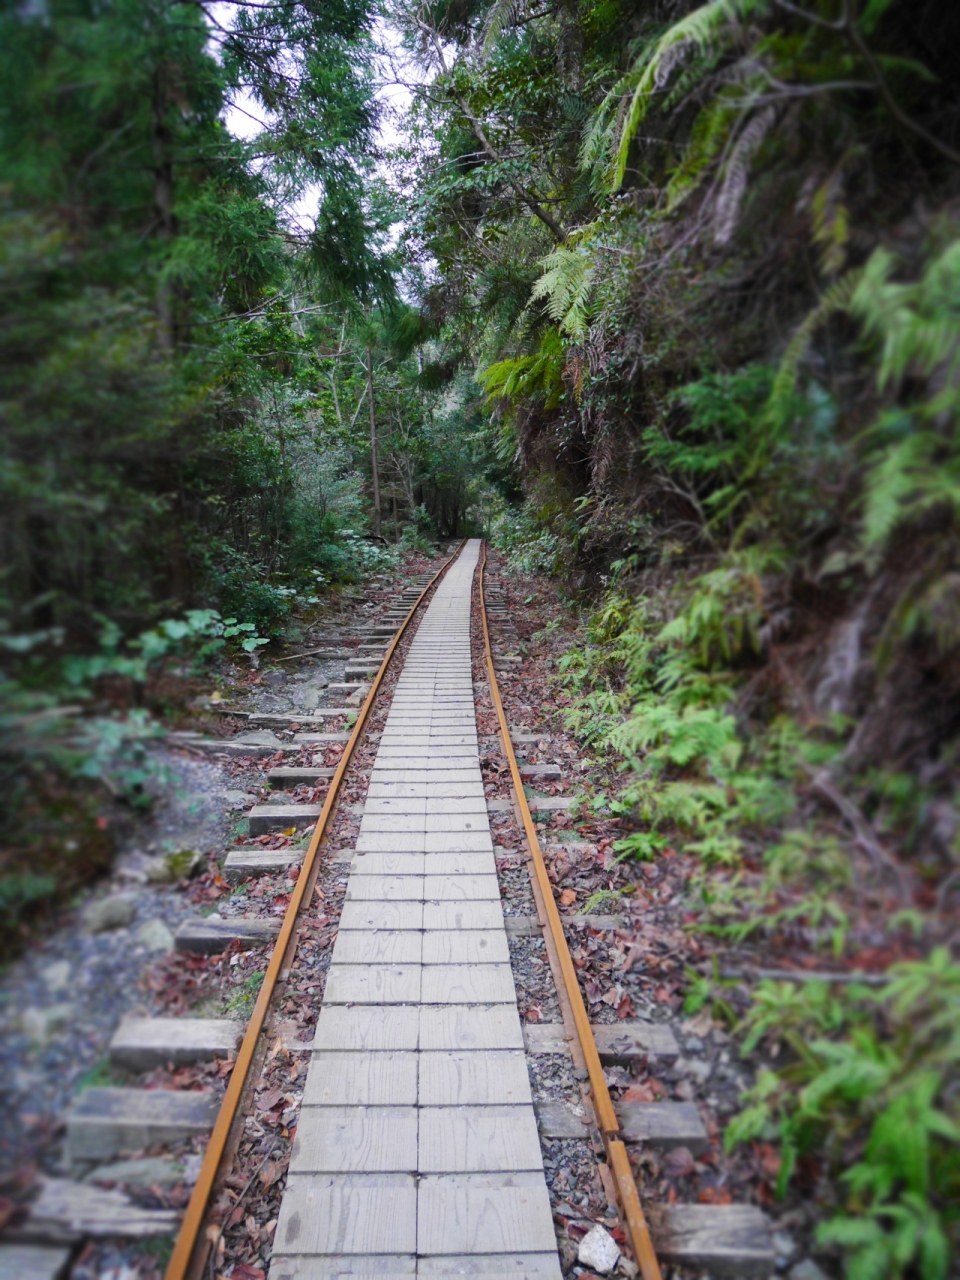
x=733, y=1243
x=581, y=1133
x=193, y=1245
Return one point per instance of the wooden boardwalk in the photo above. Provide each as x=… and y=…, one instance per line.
x=417, y=1150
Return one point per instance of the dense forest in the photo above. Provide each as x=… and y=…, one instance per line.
x=662, y=296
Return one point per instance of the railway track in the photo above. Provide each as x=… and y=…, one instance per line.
x=387, y=1112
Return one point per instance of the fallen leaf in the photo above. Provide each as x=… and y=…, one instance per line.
x=701, y=1025
x=638, y=1093
x=714, y=1195
x=267, y=1101
x=679, y=1163
x=568, y=897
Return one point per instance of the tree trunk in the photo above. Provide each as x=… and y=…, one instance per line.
x=374, y=460
x=162, y=200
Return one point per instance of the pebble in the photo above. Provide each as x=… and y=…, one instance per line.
x=599, y=1250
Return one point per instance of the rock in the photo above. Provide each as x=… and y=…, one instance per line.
x=276, y=679
x=690, y=1067
x=568, y=1255
x=239, y=799
x=185, y=863
x=141, y=1173
x=629, y=1268
x=57, y=975
x=155, y=936
x=807, y=1270
x=599, y=1250
x=39, y=1025
x=173, y=866
x=115, y=912
x=693, y=1044
x=259, y=738
x=784, y=1245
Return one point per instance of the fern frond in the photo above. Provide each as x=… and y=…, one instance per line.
x=704, y=28
x=709, y=135
x=837, y=298
x=737, y=169
x=565, y=285
x=502, y=14
x=918, y=324
x=831, y=223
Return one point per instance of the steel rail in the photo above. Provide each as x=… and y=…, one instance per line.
x=609, y=1126
x=192, y=1222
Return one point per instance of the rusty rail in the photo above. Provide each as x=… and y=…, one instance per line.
x=617, y=1160
x=188, y=1238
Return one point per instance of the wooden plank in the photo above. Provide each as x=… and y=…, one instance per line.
x=338, y=1139
x=210, y=934
x=621, y=1042
x=624, y=1041
x=726, y=1240
x=106, y=1121
x=307, y=739
x=559, y=1120
x=663, y=1124
x=288, y=776
x=241, y=863
x=228, y=747
x=522, y=926
x=33, y=1261
x=265, y=818
x=542, y=771
x=67, y=1209
x=141, y=1043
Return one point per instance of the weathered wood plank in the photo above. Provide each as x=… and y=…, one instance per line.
x=105, y=1121
x=726, y=1240
x=68, y=1209
x=618, y=1042
x=265, y=818
x=141, y=1043
x=288, y=776
x=241, y=863
x=210, y=934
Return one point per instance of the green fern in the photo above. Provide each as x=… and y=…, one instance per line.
x=566, y=285
x=711, y=24
x=838, y=297
x=710, y=133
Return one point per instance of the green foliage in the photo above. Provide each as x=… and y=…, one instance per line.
x=870, y=1067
